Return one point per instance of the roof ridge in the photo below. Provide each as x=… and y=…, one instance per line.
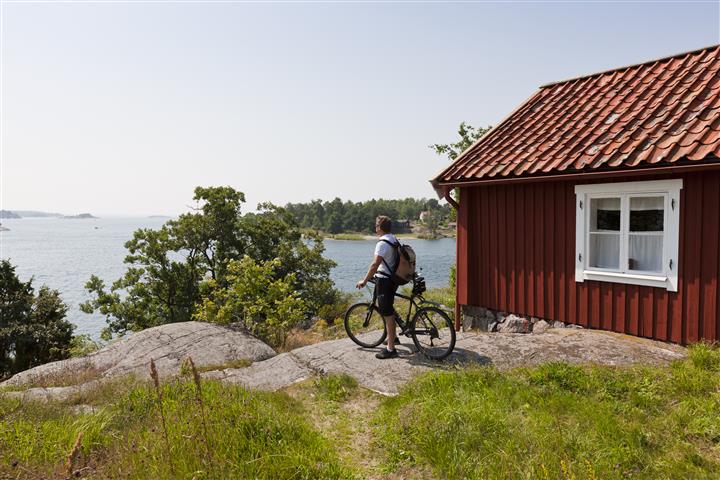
x=625, y=67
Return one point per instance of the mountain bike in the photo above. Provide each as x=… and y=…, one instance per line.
x=431, y=329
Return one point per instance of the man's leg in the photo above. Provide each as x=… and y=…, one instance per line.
x=386, y=295
x=391, y=334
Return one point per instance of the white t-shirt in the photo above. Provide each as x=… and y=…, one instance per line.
x=387, y=252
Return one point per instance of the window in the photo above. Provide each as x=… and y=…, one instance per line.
x=628, y=232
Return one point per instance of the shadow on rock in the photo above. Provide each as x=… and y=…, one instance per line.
x=460, y=357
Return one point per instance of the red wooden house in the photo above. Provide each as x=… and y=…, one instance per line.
x=597, y=203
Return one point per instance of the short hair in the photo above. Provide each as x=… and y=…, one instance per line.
x=384, y=222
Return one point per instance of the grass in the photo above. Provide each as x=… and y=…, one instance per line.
x=335, y=388
x=560, y=421
x=347, y=236
x=219, y=431
x=237, y=363
x=61, y=379
x=553, y=421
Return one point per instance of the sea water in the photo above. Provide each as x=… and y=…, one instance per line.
x=63, y=253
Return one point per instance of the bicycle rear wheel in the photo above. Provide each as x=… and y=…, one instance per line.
x=364, y=325
x=433, y=333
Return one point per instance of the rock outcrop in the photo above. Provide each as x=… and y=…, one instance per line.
x=168, y=345
x=214, y=345
x=473, y=348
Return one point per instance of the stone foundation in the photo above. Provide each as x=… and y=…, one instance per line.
x=488, y=320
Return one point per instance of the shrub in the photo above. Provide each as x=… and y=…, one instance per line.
x=254, y=298
x=33, y=328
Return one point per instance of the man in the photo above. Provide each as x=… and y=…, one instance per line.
x=381, y=268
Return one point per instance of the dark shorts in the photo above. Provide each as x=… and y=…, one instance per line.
x=385, y=291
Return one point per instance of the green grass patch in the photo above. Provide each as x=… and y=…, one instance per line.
x=347, y=236
x=554, y=421
x=335, y=388
x=560, y=421
x=442, y=295
x=227, y=432
x=238, y=363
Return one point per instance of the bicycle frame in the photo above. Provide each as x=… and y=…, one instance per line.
x=402, y=323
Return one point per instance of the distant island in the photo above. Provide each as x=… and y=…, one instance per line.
x=82, y=216
x=8, y=214
x=159, y=216
x=36, y=214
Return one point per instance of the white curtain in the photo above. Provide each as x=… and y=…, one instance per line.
x=646, y=252
x=604, y=250
x=647, y=203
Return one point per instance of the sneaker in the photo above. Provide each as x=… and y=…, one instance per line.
x=386, y=354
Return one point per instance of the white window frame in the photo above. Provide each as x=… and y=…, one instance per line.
x=670, y=189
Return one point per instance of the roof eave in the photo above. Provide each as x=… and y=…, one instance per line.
x=709, y=163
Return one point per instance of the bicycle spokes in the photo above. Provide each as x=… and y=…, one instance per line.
x=433, y=333
x=368, y=315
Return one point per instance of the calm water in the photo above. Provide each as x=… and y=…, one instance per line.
x=62, y=254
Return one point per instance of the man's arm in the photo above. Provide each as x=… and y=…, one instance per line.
x=371, y=271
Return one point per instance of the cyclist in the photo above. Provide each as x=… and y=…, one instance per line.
x=381, y=268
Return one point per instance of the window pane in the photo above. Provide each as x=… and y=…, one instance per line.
x=605, y=250
x=604, y=214
x=645, y=253
x=647, y=214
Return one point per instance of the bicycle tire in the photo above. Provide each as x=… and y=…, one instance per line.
x=364, y=335
x=430, y=317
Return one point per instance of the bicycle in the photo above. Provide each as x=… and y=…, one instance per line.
x=431, y=329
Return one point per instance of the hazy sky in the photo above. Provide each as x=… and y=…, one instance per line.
x=123, y=108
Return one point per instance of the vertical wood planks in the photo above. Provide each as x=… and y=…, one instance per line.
x=520, y=262
x=548, y=207
x=520, y=243
x=529, y=254
x=539, y=238
x=709, y=268
x=502, y=247
x=511, y=242
x=693, y=236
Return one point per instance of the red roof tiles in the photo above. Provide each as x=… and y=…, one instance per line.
x=652, y=114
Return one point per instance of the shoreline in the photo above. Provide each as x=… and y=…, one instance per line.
x=344, y=237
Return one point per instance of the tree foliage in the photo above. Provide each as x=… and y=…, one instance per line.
x=468, y=135
x=256, y=297
x=337, y=216
x=169, y=269
x=33, y=328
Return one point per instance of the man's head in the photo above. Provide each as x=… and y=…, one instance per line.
x=383, y=224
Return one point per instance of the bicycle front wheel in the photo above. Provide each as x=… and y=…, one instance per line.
x=433, y=333
x=364, y=325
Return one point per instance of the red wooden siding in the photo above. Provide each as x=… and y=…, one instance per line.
x=516, y=249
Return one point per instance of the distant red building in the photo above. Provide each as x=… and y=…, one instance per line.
x=597, y=202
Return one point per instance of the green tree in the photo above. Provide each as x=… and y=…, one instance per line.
x=168, y=268
x=33, y=328
x=265, y=305
x=468, y=135
x=432, y=223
